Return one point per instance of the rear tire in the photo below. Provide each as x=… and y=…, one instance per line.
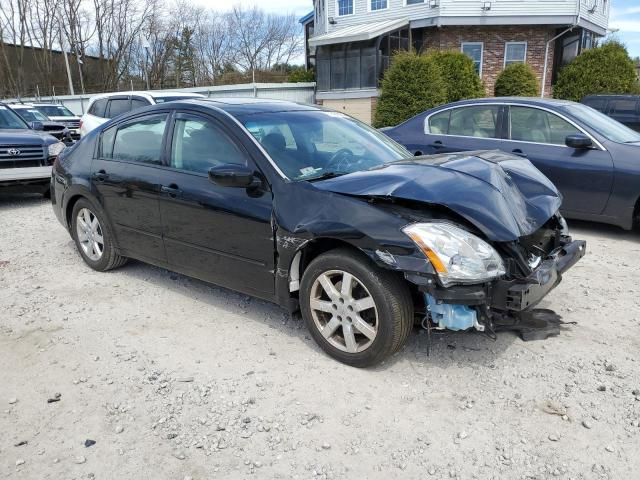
x=356, y=312
x=93, y=237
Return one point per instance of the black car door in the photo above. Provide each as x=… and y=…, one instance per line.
x=219, y=234
x=469, y=127
x=127, y=176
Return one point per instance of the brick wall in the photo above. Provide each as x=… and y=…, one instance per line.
x=494, y=39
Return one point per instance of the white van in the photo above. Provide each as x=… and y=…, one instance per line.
x=109, y=105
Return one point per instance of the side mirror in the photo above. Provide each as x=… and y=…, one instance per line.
x=233, y=175
x=36, y=126
x=578, y=141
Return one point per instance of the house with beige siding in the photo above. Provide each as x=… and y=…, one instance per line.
x=349, y=43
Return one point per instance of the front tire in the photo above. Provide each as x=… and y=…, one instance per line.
x=93, y=237
x=358, y=313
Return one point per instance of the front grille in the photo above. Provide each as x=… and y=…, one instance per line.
x=29, y=156
x=71, y=123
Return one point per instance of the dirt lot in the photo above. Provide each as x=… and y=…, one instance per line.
x=175, y=379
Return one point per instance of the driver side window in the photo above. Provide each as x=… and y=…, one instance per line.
x=199, y=144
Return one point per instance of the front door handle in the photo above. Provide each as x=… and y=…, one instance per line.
x=520, y=153
x=437, y=144
x=100, y=175
x=172, y=190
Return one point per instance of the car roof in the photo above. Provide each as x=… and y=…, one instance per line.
x=525, y=100
x=145, y=93
x=611, y=95
x=250, y=106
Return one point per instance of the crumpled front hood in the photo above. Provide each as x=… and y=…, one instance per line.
x=503, y=195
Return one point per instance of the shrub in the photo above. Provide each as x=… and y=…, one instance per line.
x=412, y=84
x=460, y=75
x=301, y=75
x=604, y=69
x=516, y=80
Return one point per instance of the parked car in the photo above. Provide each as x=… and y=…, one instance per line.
x=61, y=114
x=623, y=108
x=591, y=158
x=109, y=105
x=39, y=121
x=312, y=209
x=26, y=155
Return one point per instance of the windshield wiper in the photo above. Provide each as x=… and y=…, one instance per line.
x=325, y=176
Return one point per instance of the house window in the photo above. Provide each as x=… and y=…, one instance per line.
x=413, y=2
x=515, y=52
x=345, y=7
x=378, y=4
x=474, y=50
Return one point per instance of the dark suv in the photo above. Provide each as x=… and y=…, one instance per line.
x=623, y=108
x=26, y=155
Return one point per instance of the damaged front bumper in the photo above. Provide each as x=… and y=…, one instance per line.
x=506, y=304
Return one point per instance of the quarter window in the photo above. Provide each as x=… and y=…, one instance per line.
x=139, y=141
x=474, y=50
x=198, y=144
x=477, y=121
x=439, y=123
x=515, y=52
x=538, y=126
x=97, y=109
x=345, y=7
x=378, y=4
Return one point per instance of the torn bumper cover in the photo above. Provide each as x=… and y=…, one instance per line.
x=506, y=304
x=519, y=295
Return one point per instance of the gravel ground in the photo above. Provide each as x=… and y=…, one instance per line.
x=173, y=378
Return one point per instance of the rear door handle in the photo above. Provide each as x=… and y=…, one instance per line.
x=172, y=190
x=520, y=153
x=437, y=144
x=100, y=175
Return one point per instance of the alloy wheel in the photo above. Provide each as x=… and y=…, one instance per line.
x=343, y=311
x=90, y=235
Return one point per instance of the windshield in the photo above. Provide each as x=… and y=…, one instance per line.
x=31, y=115
x=602, y=124
x=315, y=144
x=55, y=111
x=9, y=119
x=174, y=98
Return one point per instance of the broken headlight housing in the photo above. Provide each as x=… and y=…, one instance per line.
x=456, y=255
x=55, y=149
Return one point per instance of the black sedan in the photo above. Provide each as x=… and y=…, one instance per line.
x=591, y=158
x=313, y=210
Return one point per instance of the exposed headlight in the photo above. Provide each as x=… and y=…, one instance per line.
x=56, y=148
x=456, y=255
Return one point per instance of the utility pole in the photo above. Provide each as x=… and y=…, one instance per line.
x=66, y=64
x=79, y=59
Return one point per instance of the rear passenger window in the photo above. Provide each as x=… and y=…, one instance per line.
x=118, y=106
x=97, y=109
x=476, y=121
x=623, y=106
x=139, y=141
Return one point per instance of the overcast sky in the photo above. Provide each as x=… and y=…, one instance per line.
x=625, y=15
